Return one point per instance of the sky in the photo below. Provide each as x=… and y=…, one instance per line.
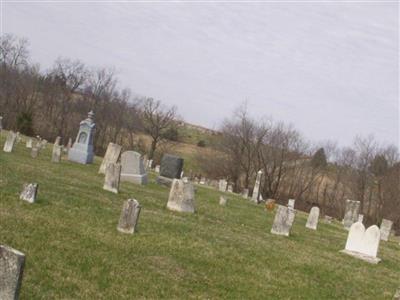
x=329, y=68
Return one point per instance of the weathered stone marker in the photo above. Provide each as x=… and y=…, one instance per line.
x=82, y=150
x=222, y=184
x=312, y=221
x=351, y=213
x=363, y=244
x=12, y=264
x=10, y=141
x=291, y=203
x=132, y=168
x=29, y=192
x=129, y=216
x=171, y=168
x=29, y=143
x=112, y=178
x=255, y=197
x=56, y=154
x=283, y=221
x=35, y=151
x=112, y=155
x=245, y=193
x=386, y=227
x=181, y=196
x=222, y=200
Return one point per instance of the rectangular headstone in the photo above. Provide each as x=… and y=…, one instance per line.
x=171, y=166
x=112, y=155
x=132, y=168
x=112, y=177
x=181, y=196
x=386, y=227
x=29, y=192
x=10, y=141
x=351, y=213
x=56, y=154
x=283, y=221
x=313, y=217
x=29, y=143
x=129, y=216
x=12, y=264
x=291, y=203
x=222, y=185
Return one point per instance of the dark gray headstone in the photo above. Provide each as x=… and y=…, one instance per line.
x=11, y=269
x=171, y=166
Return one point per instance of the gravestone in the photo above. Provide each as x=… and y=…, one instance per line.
x=171, y=168
x=181, y=196
x=150, y=164
x=270, y=204
x=34, y=152
x=18, y=137
x=363, y=244
x=132, y=168
x=129, y=216
x=291, y=203
x=56, y=154
x=351, y=213
x=360, y=218
x=29, y=192
x=386, y=227
x=112, y=155
x=203, y=180
x=69, y=145
x=43, y=144
x=111, y=180
x=222, y=200
x=312, y=220
x=245, y=193
x=230, y=188
x=255, y=197
x=29, y=143
x=82, y=150
x=10, y=141
x=222, y=185
x=157, y=169
x=12, y=264
x=283, y=221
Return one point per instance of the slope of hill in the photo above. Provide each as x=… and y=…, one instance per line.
x=74, y=251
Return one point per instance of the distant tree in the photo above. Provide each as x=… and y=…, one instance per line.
x=157, y=121
x=319, y=159
x=201, y=143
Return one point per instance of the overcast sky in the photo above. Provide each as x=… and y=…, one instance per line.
x=330, y=69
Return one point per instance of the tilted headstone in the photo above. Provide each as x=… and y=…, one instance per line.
x=283, y=221
x=255, y=197
x=29, y=192
x=222, y=200
x=12, y=264
x=29, y=143
x=386, y=227
x=222, y=185
x=112, y=177
x=10, y=141
x=181, y=196
x=132, y=168
x=171, y=168
x=363, y=244
x=82, y=150
x=291, y=203
x=351, y=213
x=129, y=216
x=112, y=155
x=360, y=218
x=312, y=220
x=230, y=188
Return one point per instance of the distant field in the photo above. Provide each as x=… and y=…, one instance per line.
x=74, y=251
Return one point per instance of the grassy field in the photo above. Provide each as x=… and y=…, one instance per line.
x=74, y=251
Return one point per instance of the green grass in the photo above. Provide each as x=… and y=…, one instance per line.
x=74, y=251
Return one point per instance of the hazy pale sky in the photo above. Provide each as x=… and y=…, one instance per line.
x=331, y=69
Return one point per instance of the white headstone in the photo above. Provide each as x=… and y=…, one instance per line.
x=29, y=192
x=12, y=264
x=132, y=168
x=181, y=196
x=10, y=141
x=203, y=180
x=363, y=244
x=283, y=221
x=157, y=169
x=291, y=203
x=360, y=218
x=255, y=197
x=222, y=185
x=386, y=227
x=129, y=216
x=312, y=221
x=112, y=155
x=29, y=143
x=222, y=200
x=230, y=188
x=111, y=180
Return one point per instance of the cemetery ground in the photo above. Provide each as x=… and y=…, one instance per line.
x=74, y=251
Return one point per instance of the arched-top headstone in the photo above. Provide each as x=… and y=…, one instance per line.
x=313, y=217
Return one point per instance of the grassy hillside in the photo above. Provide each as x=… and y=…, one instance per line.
x=75, y=252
